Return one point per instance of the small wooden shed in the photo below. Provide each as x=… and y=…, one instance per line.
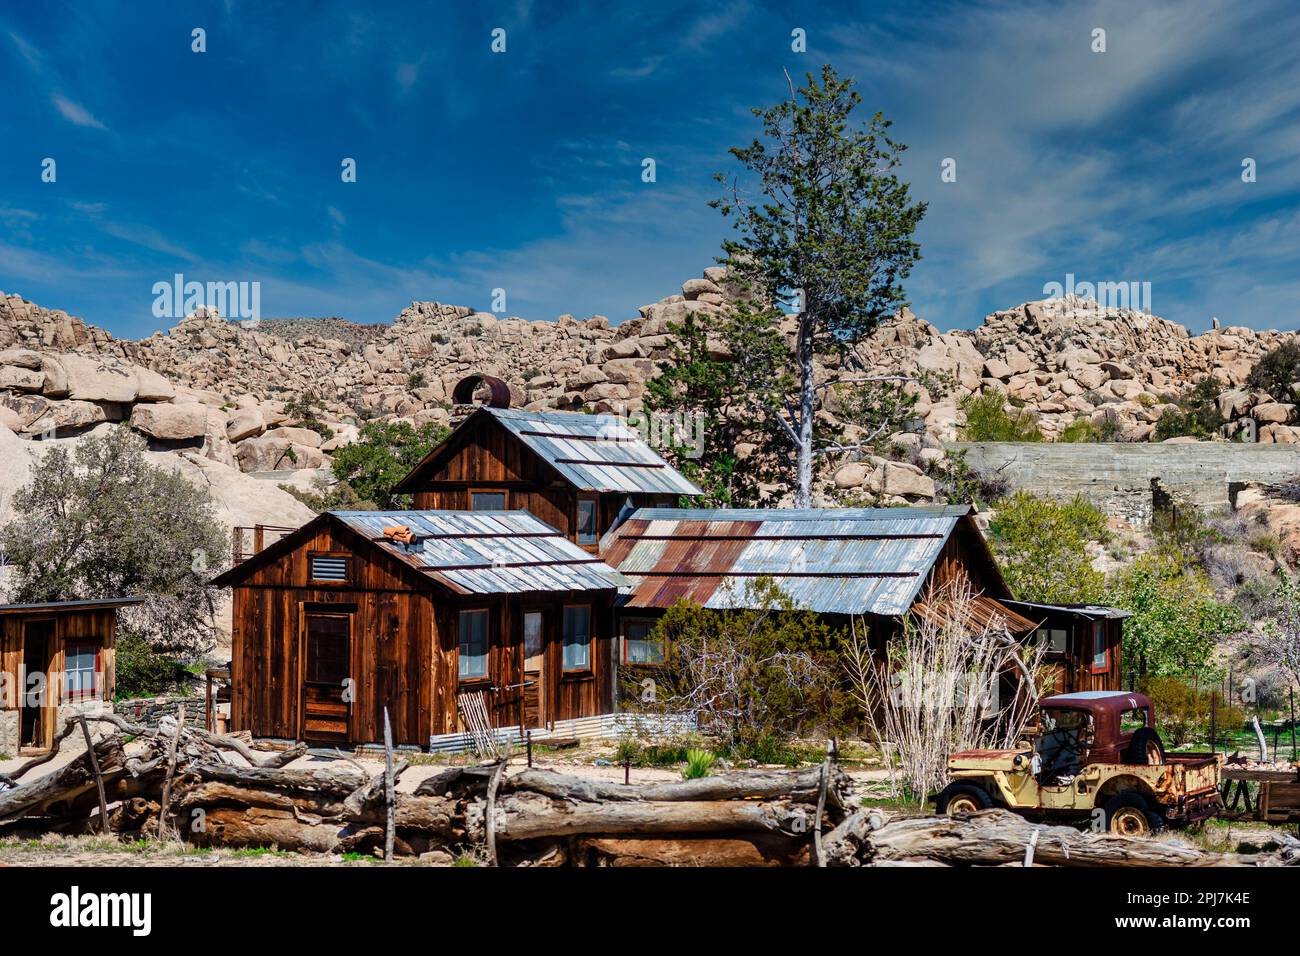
x=56, y=660
x=576, y=472
x=418, y=612
x=1085, y=645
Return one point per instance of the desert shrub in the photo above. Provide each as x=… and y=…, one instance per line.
x=1183, y=710
x=383, y=454
x=142, y=671
x=1042, y=546
x=1276, y=370
x=957, y=483
x=988, y=419
x=98, y=520
x=330, y=496
x=302, y=411
x=765, y=671
x=1197, y=413
x=1083, y=429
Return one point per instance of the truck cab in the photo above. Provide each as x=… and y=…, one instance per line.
x=1095, y=755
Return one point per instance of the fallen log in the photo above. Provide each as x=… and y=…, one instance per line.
x=757, y=849
x=64, y=784
x=997, y=837
x=800, y=786
x=530, y=816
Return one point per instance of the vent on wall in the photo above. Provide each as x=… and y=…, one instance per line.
x=329, y=569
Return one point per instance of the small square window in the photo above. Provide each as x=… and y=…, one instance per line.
x=328, y=568
x=640, y=645
x=1056, y=639
x=473, y=645
x=487, y=501
x=577, y=638
x=586, y=529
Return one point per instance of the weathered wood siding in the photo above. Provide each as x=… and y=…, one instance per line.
x=404, y=651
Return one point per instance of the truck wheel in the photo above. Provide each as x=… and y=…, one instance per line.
x=962, y=798
x=1145, y=748
x=1129, y=814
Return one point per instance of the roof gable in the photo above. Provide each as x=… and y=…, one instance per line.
x=600, y=453
x=465, y=552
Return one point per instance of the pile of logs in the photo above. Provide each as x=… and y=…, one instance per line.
x=219, y=792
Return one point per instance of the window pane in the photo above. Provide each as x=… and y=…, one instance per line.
x=327, y=649
x=473, y=644
x=487, y=501
x=586, y=521
x=577, y=638
x=639, y=646
x=1099, y=658
x=79, y=669
x=532, y=633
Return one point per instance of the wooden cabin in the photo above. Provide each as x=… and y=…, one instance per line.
x=1085, y=645
x=876, y=563
x=56, y=660
x=434, y=615
x=578, y=473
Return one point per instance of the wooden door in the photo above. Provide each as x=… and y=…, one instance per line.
x=534, y=690
x=39, y=698
x=327, y=655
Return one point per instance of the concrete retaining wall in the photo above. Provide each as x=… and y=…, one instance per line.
x=1118, y=477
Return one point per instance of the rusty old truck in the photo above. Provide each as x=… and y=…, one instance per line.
x=1095, y=756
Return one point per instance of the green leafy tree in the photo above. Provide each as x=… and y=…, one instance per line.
x=383, y=454
x=1176, y=619
x=728, y=394
x=823, y=222
x=1042, y=547
x=100, y=521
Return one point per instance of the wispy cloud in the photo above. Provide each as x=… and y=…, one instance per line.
x=74, y=112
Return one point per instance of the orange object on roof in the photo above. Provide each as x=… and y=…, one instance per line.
x=399, y=532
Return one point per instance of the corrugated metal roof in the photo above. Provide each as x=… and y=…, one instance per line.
x=1092, y=612
x=487, y=552
x=834, y=560
x=594, y=452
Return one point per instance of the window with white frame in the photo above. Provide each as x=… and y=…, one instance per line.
x=473, y=645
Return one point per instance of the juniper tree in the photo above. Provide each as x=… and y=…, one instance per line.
x=824, y=223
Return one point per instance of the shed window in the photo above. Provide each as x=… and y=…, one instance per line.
x=473, y=644
x=329, y=568
x=640, y=645
x=1100, y=650
x=81, y=669
x=1056, y=639
x=586, y=527
x=487, y=501
x=577, y=637
x=328, y=637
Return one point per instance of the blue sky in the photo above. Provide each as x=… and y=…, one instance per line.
x=522, y=170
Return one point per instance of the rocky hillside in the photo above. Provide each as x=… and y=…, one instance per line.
x=228, y=393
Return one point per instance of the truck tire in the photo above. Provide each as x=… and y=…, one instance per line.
x=1145, y=748
x=1129, y=814
x=962, y=798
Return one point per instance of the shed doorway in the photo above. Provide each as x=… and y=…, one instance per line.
x=327, y=655
x=38, y=695
x=534, y=690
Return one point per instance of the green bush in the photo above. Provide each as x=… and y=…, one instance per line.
x=1197, y=414
x=987, y=419
x=142, y=671
x=383, y=454
x=1183, y=710
x=1084, y=429
x=1276, y=370
x=1042, y=546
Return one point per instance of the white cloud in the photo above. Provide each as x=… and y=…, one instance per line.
x=74, y=112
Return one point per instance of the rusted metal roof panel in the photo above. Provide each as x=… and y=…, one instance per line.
x=595, y=452
x=487, y=552
x=842, y=560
